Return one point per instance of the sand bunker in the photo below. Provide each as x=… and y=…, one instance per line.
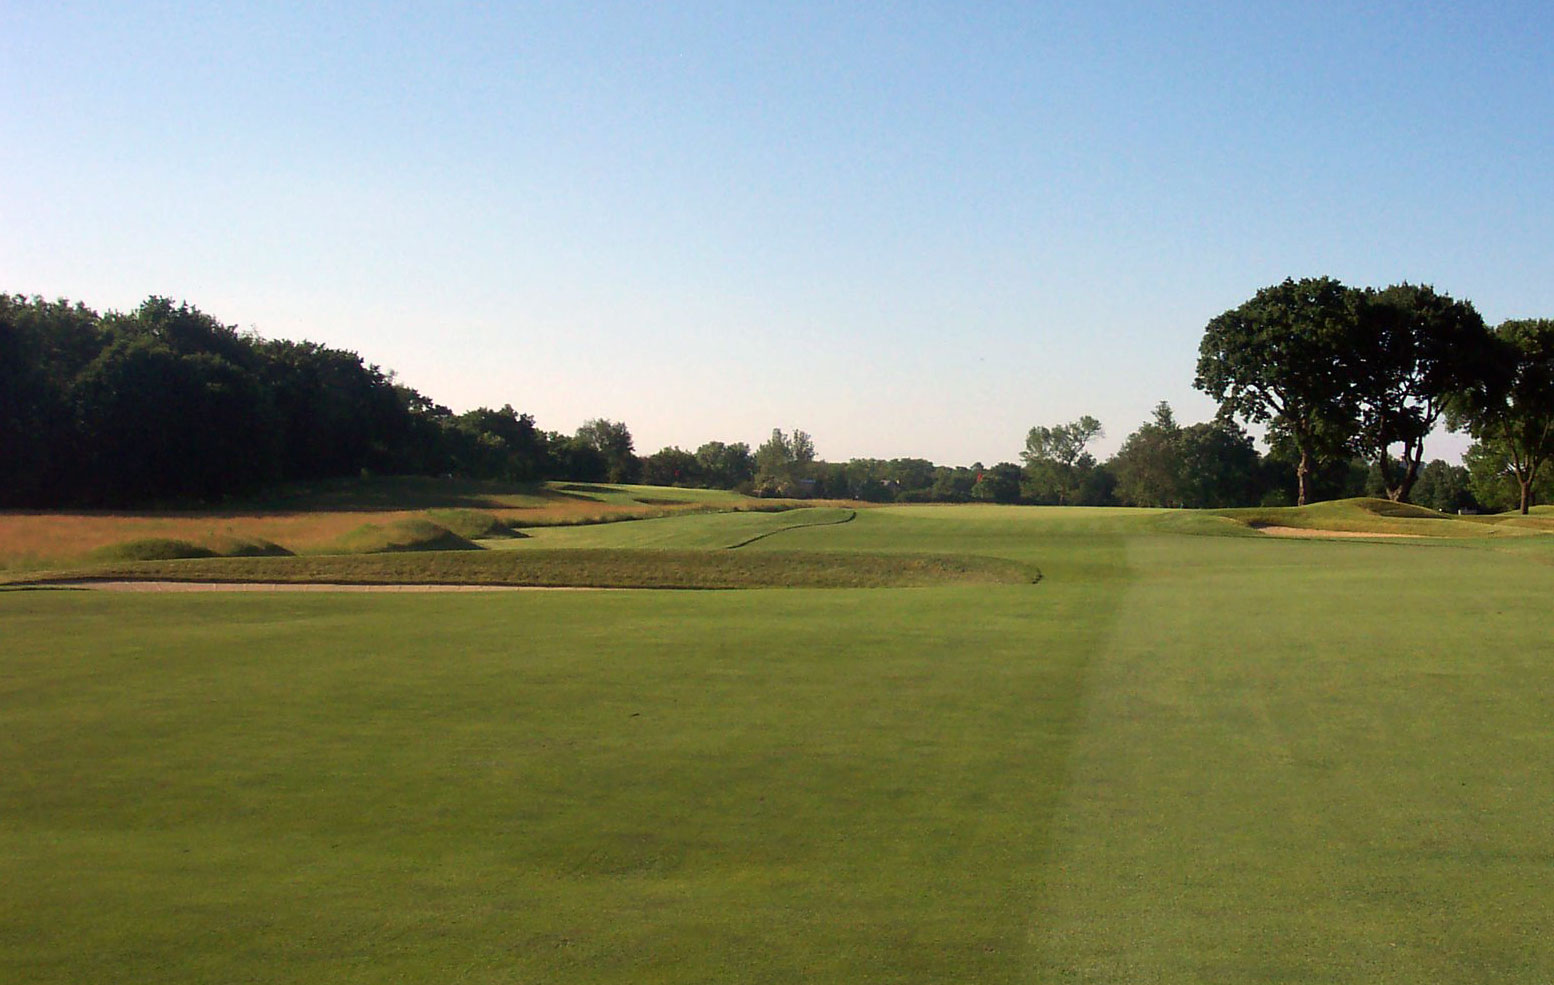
x=1308, y=532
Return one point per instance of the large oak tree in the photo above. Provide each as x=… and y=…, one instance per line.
x=1417, y=350
x=1282, y=359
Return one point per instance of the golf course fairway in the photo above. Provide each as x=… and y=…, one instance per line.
x=1188, y=752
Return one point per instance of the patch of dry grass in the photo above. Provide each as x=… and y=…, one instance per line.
x=46, y=539
x=33, y=540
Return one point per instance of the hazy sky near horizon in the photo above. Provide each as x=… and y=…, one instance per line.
x=906, y=228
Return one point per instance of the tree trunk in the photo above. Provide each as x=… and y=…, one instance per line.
x=1384, y=467
x=1526, y=485
x=1302, y=472
x=1413, y=455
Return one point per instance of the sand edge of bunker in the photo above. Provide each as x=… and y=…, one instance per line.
x=1316, y=533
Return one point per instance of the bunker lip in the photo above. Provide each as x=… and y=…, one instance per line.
x=126, y=585
x=1274, y=530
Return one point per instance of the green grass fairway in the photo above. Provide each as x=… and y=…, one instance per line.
x=1191, y=753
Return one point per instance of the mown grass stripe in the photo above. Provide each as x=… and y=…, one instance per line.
x=848, y=517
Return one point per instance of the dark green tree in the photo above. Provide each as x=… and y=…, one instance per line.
x=185, y=330
x=1098, y=488
x=568, y=457
x=999, y=484
x=954, y=485
x=612, y=439
x=671, y=466
x=1149, y=466
x=908, y=476
x=1056, y=463
x=497, y=444
x=44, y=346
x=1444, y=487
x=725, y=466
x=1511, y=410
x=1418, y=350
x=169, y=427
x=1220, y=466
x=867, y=479
x=334, y=414
x=783, y=463
x=1284, y=359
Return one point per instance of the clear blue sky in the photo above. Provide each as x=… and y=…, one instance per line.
x=907, y=228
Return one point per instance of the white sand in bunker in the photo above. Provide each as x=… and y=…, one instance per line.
x=274, y=586
x=1275, y=531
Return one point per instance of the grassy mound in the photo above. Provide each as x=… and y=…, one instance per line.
x=1406, y=511
x=1199, y=522
x=471, y=524
x=247, y=547
x=1368, y=516
x=151, y=549
x=413, y=534
x=174, y=548
x=1539, y=518
x=587, y=569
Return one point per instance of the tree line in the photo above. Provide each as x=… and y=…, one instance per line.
x=166, y=405
x=1216, y=464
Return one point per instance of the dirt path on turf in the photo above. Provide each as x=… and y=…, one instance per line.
x=272, y=586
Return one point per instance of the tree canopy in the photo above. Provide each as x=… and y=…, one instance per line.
x=1148, y=466
x=1282, y=359
x=611, y=439
x=1511, y=410
x=783, y=463
x=1056, y=463
x=1417, y=350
